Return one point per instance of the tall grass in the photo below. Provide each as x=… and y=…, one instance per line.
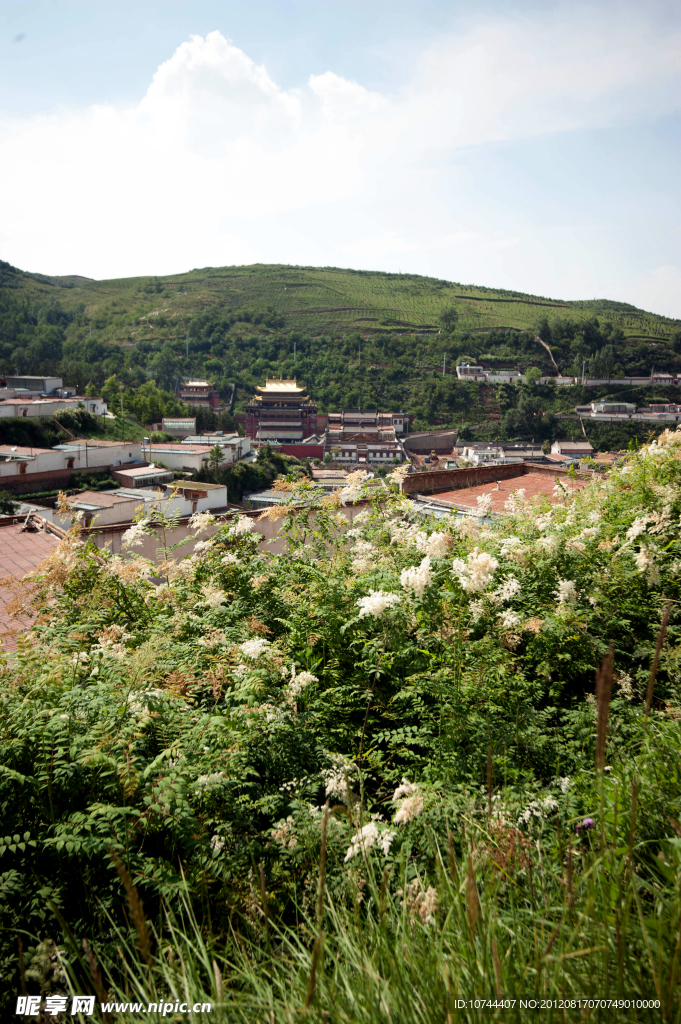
x=562, y=920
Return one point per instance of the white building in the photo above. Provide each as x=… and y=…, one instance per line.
x=186, y=457
x=233, y=446
x=33, y=408
x=574, y=449
x=95, y=454
x=491, y=456
x=105, y=508
x=37, y=385
x=467, y=372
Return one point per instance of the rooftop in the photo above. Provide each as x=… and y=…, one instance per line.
x=276, y=386
x=17, y=449
x=20, y=552
x=534, y=485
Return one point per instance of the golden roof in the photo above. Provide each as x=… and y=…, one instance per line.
x=279, y=386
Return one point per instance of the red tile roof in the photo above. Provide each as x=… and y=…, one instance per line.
x=19, y=554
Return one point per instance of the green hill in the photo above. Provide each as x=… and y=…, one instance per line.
x=354, y=337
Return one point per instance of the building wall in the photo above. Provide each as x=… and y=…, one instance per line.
x=453, y=479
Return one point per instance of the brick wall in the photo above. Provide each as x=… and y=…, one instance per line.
x=454, y=479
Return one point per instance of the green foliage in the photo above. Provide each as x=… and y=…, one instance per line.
x=433, y=682
x=8, y=506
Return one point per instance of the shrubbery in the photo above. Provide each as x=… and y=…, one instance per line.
x=430, y=685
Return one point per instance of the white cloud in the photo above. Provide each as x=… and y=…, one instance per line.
x=217, y=164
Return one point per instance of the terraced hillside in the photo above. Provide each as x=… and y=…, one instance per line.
x=321, y=301
x=355, y=338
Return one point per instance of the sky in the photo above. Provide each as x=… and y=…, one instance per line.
x=532, y=146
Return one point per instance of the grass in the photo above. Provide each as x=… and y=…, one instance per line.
x=556, y=923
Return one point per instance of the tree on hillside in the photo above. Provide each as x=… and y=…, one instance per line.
x=532, y=375
x=111, y=393
x=448, y=319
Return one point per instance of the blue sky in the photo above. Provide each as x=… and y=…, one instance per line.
x=532, y=146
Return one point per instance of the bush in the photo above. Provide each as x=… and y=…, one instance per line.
x=8, y=506
x=414, y=698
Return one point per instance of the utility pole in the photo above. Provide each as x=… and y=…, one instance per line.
x=583, y=367
x=186, y=344
x=294, y=353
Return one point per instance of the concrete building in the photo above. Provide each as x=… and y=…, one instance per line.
x=233, y=446
x=199, y=392
x=574, y=449
x=367, y=425
x=36, y=385
x=24, y=469
x=281, y=411
x=186, y=457
x=618, y=412
x=375, y=452
x=42, y=408
x=179, y=426
x=96, y=454
x=142, y=476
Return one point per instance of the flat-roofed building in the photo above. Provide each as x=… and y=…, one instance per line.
x=143, y=476
x=179, y=426
x=186, y=457
x=41, y=385
x=364, y=425
x=281, y=411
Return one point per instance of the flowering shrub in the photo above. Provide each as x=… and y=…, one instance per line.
x=198, y=728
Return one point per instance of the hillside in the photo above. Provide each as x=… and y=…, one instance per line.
x=354, y=337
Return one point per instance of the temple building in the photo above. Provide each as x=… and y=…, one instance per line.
x=199, y=392
x=281, y=411
x=370, y=425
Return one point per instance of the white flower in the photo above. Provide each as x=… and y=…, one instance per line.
x=566, y=592
x=549, y=803
x=300, y=681
x=210, y=780
x=637, y=527
x=254, y=648
x=354, y=483
x=362, y=840
x=417, y=577
x=240, y=526
x=200, y=521
x=508, y=619
x=564, y=782
x=397, y=476
x=477, y=609
x=213, y=597
x=484, y=503
x=376, y=602
x=626, y=685
x=508, y=589
x=202, y=546
x=550, y=544
x=436, y=546
x=409, y=808
x=543, y=521
x=406, y=788
x=477, y=574
x=514, y=502
x=646, y=563
x=588, y=534
x=385, y=839
x=230, y=558
x=134, y=536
